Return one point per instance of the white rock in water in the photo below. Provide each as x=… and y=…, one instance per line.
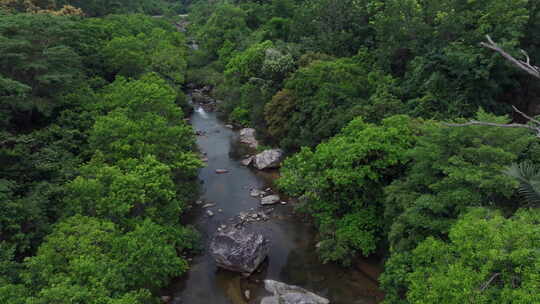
x=270, y=200
x=209, y=205
x=209, y=212
x=268, y=159
x=256, y=193
x=290, y=294
x=221, y=171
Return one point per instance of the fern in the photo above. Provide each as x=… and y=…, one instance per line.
x=528, y=175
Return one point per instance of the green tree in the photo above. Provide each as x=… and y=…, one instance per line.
x=125, y=193
x=89, y=260
x=329, y=94
x=488, y=259
x=452, y=169
x=226, y=24
x=119, y=137
x=341, y=183
x=37, y=64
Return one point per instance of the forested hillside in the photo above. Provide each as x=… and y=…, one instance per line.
x=406, y=139
x=97, y=161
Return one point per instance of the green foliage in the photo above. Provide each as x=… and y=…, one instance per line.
x=329, y=94
x=341, y=183
x=434, y=46
x=89, y=260
x=115, y=224
x=337, y=27
x=92, y=7
x=226, y=25
x=160, y=51
x=248, y=63
x=452, y=169
x=118, y=137
x=37, y=64
x=240, y=116
x=124, y=194
x=488, y=259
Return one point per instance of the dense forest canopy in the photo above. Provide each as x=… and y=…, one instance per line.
x=98, y=163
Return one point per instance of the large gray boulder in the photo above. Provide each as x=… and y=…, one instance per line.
x=290, y=294
x=268, y=159
x=247, y=136
x=239, y=250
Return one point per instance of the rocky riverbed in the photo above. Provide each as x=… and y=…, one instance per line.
x=245, y=197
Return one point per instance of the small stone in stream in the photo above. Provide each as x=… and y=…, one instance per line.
x=198, y=202
x=247, y=294
x=255, y=215
x=223, y=226
x=204, y=159
x=165, y=299
x=256, y=193
x=220, y=210
x=246, y=162
x=284, y=203
x=221, y=171
x=228, y=126
x=208, y=205
x=268, y=189
x=209, y=212
x=270, y=200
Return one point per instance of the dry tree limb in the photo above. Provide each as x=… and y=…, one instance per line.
x=523, y=65
x=492, y=124
x=486, y=284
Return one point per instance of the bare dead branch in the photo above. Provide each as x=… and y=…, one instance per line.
x=523, y=65
x=486, y=284
x=492, y=124
x=526, y=116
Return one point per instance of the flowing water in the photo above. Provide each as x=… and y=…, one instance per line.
x=292, y=258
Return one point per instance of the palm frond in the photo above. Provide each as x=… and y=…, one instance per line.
x=528, y=175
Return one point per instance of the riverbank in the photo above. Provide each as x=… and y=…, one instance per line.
x=292, y=258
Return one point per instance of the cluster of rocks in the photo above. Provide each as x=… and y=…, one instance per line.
x=267, y=159
x=252, y=216
x=202, y=97
x=266, y=197
x=207, y=206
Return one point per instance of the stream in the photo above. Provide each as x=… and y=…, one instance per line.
x=292, y=258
